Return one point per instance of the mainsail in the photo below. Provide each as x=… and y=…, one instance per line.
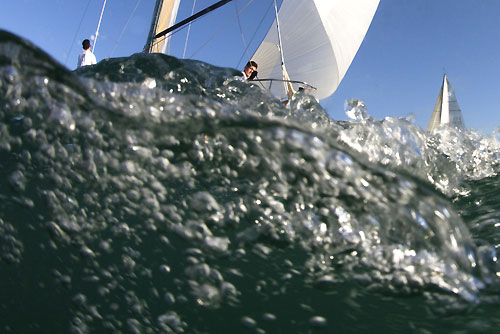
x=319, y=41
x=164, y=17
x=446, y=110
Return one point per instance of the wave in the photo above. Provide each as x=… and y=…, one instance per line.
x=153, y=194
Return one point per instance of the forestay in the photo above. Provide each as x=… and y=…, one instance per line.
x=319, y=41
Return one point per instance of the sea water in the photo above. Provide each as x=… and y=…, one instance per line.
x=149, y=194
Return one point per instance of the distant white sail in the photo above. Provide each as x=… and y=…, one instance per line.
x=446, y=110
x=164, y=16
x=319, y=41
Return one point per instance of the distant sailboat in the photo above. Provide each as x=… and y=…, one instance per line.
x=446, y=110
x=313, y=41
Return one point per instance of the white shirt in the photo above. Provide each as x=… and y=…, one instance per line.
x=86, y=58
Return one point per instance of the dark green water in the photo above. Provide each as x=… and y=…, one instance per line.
x=155, y=195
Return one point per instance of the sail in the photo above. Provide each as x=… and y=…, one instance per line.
x=319, y=41
x=446, y=110
x=164, y=16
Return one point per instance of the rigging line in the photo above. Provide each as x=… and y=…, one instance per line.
x=77, y=31
x=254, y=34
x=287, y=85
x=158, y=38
x=98, y=26
x=218, y=32
x=124, y=28
x=192, y=18
x=171, y=33
x=241, y=29
x=279, y=36
x=189, y=30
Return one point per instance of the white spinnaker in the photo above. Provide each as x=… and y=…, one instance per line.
x=164, y=17
x=319, y=40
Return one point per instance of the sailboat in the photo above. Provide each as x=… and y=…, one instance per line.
x=310, y=44
x=446, y=110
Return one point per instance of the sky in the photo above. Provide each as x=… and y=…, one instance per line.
x=397, y=71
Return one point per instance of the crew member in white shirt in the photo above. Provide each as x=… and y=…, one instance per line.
x=86, y=57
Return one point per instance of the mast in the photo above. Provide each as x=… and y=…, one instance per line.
x=98, y=26
x=154, y=24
